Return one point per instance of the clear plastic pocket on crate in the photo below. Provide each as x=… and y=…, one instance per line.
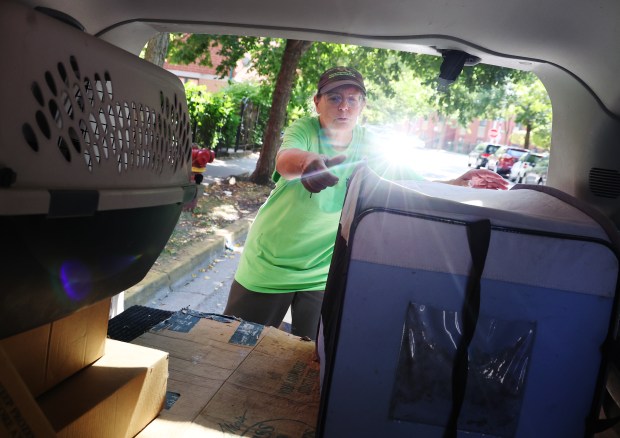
x=498, y=355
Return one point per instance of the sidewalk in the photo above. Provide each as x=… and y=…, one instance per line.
x=235, y=163
x=160, y=277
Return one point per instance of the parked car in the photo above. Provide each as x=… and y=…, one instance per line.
x=479, y=156
x=537, y=174
x=523, y=164
x=502, y=159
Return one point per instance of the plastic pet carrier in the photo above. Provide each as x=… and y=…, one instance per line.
x=95, y=159
x=452, y=311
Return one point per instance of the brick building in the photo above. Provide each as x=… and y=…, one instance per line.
x=438, y=133
x=206, y=75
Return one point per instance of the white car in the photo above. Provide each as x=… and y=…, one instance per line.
x=523, y=164
x=537, y=174
x=479, y=156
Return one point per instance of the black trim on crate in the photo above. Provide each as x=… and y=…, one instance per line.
x=73, y=203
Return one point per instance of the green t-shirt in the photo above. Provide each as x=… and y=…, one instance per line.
x=290, y=244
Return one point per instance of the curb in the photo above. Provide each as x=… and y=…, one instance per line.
x=155, y=280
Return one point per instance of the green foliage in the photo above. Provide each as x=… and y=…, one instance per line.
x=400, y=85
x=531, y=104
x=481, y=91
x=209, y=114
x=185, y=49
x=541, y=137
x=215, y=117
x=410, y=100
x=256, y=95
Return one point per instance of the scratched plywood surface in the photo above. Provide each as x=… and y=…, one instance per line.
x=295, y=378
x=237, y=411
x=204, y=329
x=284, y=345
x=195, y=354
x=232, y=379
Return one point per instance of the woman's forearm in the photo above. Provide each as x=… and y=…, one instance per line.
x=291, y=163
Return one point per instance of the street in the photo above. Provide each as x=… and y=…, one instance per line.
x=219, y=169
x=206, y=288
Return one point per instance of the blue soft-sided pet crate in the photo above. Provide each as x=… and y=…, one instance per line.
x=452, y=311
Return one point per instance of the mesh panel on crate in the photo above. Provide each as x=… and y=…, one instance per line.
x=95, y=166
x=92, y=123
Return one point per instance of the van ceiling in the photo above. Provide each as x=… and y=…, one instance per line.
x=580, y=37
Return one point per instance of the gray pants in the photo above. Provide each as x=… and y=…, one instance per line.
x=270, y=309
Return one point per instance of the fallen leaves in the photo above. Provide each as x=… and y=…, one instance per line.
x=221, y=205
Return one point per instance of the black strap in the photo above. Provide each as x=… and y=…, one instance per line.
x=478, y=238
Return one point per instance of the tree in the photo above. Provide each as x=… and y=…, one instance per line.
x=481, y=91
x=277, y=114
x=196, y=47
x=499, y=93
x=294, y=67
x=532, y=109
x=157, y=48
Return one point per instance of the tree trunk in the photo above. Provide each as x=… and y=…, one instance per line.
x=281, y=95
x=528, y=132
x=505, y=134
x=442, y=135
x=157, y=48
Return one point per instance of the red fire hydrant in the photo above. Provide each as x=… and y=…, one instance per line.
x=200, y=158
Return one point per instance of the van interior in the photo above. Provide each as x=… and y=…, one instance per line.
x=573, y=47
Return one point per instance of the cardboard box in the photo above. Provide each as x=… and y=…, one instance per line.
x=76, y=341
x=28, y=353
x=46, y=355
x=20, y=416
x=225, y=382
x=117, y=396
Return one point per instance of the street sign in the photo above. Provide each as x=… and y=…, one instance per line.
x=493, y=133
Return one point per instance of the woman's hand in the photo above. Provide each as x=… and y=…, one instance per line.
x=315, y=175
x=480, y=179
x=310, y=168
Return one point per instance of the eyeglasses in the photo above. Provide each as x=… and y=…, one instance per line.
x=335, y=100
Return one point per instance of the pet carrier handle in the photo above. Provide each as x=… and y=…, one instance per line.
x=478, y=238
